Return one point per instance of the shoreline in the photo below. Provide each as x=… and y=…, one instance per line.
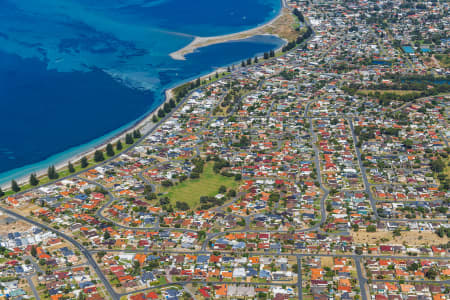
x=144, y=124
x=200, y=42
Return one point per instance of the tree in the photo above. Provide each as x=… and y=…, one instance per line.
x=231, y=193
x=119, y=145
x=166, y=108
x=201, y=234
x=51, y=173
x=33, y=180
x=272, y=53
x=106, y=235
x=109, y=150
x=155, y=119
x=33, y=251
x=84, y=162
x=437, y=165
x=1, y=192
x=129, y=139
x=266, y=55
x=432, y=273
x=167, y=183
x=182, y=205
x=161, y=113
x=256, y=59
x=137, y=134
x=71, y=167
x=14, y=186
x=98, y=156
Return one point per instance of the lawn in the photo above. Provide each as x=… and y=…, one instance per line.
x=191, y=190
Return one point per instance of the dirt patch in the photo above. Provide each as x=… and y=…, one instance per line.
x=412, y=238
x=327, y=261
x=26, y=210
x=8, y=225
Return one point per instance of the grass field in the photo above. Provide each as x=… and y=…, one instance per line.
x=444, y=60
x=191, y=190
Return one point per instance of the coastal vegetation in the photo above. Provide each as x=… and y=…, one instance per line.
x=34, y=180
x=110, y=150
x=14, y=186
x=98, y=156
x=51, y=173
x=71, y=168
x=303, y=35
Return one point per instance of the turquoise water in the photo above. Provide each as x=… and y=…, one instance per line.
x=75, y=73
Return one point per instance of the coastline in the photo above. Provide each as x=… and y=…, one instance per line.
x=144, y=124
x=200, y=42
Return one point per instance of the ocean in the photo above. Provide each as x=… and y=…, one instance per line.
x=75, y=73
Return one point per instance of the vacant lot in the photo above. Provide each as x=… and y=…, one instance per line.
x=191, y=190
x=327, y=261
x=397, y=92
x=411, y=238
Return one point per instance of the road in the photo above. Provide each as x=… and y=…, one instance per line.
x=361, y=278
x=210, y=236
x=82, y=249
x=33, y=287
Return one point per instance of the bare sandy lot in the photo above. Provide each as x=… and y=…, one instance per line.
x=413, y=238
x=19, y=226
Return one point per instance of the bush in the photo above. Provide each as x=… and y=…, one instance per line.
x=371, y=228
x=182, y=205
x=167, y=183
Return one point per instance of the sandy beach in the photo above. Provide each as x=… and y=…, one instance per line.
x=199, y=42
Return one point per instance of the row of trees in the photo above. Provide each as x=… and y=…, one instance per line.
x=99, y=156
x=167, y=108
x=300, y=39
x=255, y=60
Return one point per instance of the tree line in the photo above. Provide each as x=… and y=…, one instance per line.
x=99, y=156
